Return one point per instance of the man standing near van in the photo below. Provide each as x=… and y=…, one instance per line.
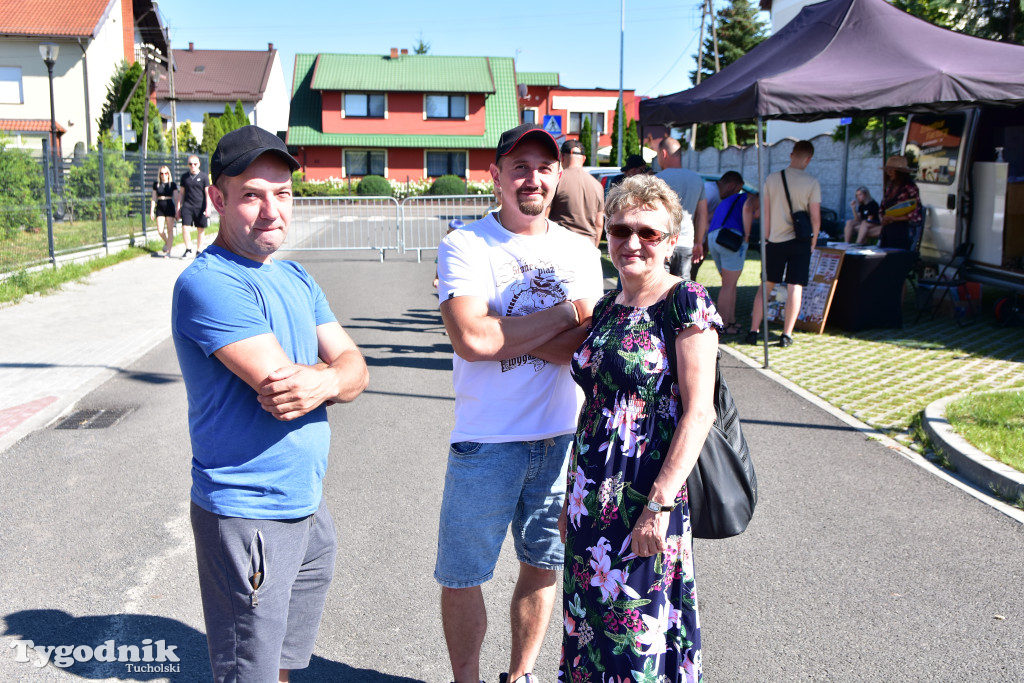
x=516, y=292
x=787, y=258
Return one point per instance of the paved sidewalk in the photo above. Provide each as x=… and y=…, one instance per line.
x=55, y=349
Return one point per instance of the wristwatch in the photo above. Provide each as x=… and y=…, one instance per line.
x=655, y=506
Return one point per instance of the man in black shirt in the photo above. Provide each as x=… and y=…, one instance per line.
x=193, y=205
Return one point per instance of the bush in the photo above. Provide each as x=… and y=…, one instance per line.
x=21, y=191
x=83, y=188
x=448, y=185
x=373, y=186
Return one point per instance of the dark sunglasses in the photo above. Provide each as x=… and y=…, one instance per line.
x=649, y=235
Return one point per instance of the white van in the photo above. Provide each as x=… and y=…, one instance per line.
x=970, y=171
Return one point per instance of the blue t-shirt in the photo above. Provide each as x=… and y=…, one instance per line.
x=246, y=463
x=729, y=214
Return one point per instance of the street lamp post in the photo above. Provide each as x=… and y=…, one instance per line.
x=49, y=51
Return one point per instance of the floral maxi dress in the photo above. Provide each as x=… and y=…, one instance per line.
x=627, y=617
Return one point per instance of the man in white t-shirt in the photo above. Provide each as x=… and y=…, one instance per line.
x=516, y=292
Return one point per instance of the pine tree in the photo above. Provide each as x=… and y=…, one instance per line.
x=240, y=117
x=993, y=19
x=630, y=139
x=212, y=134
x=187, y=142
x=121, y=83
x=739, y=31
x=586, y=133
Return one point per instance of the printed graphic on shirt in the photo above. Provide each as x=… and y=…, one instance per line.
x=535, y=287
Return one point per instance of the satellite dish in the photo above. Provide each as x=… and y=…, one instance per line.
x=522, y=91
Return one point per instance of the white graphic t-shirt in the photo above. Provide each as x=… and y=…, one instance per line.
x=524, y=398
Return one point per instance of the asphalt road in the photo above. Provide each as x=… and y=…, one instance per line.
x=859, y=565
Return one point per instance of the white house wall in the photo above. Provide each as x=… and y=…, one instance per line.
x=104, y=54
x=272, y=111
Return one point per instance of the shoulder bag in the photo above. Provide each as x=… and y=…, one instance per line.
x=801, y=219
x=722, y=486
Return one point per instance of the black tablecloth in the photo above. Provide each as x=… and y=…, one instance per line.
x=869, y=292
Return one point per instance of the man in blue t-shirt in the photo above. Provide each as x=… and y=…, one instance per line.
x=262, y=356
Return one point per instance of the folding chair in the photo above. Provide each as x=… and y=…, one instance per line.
x=953, y=285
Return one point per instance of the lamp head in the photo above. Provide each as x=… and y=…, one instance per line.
x=49, y=51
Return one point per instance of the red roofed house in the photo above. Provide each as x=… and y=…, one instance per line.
x=206, y=80
x=92, y=37
x=541, y=95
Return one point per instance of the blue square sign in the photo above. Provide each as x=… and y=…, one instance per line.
x=553, y=124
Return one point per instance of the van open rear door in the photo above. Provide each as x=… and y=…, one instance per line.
x=938, y=146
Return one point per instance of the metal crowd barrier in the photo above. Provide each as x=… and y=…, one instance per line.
x=425, y=219
x=380, y=223
x=345, y=224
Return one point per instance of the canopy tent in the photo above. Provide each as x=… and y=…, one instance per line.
x=846, y=58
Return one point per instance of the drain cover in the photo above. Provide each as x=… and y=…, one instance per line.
x=97, y=418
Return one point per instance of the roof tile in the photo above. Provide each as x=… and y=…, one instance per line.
x=407, y=73
x=29, y=126
x=71, y=18
x=226, y=75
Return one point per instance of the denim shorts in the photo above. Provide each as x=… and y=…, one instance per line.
x=725, y=259
x=490, y=487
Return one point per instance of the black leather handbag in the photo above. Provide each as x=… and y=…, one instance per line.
x=722, y=486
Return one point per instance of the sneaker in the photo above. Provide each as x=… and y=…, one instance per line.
x=751, y=338
x=785, y=340
x=187, y=252
x=525, y=678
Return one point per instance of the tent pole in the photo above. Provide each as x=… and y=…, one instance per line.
x=764, y=255
x=846, y=166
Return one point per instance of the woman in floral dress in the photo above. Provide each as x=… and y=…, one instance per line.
x=629, y=600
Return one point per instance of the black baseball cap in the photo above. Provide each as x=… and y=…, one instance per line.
x=510, y=138
x=633, y=161
x=570, y=146
x=239, y=148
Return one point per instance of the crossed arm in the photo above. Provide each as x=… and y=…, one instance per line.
x=553, y=334
x=288, y=390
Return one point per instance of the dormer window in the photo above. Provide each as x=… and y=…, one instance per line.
x=446, y=106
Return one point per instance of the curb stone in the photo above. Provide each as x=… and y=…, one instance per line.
x=973, y=464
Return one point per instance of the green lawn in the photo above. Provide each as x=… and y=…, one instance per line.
x=993, y=423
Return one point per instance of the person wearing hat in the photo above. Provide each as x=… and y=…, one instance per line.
x=901, y=204
x=635, y=165
x=516, y=292
x=262, y=356
x=578, y=203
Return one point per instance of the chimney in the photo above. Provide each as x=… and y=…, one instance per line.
x=270, y=47
x=394, y=53
x=191, y=46
x=404, y=51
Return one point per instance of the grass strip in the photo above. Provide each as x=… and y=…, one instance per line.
x=993, y=423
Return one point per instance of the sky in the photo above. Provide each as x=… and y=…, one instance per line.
x=579, y=40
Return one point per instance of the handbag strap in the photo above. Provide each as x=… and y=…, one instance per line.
x=785, y=186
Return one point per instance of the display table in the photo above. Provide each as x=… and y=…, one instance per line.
x=869, y=292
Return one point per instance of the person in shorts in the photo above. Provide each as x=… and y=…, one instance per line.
x=736, y=213
x=193, y=205
x=516, y=292
x=788, y=258
x=262, y=356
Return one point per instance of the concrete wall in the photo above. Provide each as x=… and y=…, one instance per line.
x=864, y=167
x=271, y=113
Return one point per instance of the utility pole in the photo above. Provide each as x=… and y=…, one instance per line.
x=622, y=58
x=714, y=40
x=700, y=64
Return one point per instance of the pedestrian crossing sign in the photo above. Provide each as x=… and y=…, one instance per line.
x=553, y=124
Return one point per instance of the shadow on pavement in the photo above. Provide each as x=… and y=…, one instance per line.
x=321, y=669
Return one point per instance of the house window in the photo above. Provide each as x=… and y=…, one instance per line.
x=577, y=118
x=446, y=163
x=10, y=85
x=364, y=105
x=364, y=162
x=446, y=106
x=529, y=116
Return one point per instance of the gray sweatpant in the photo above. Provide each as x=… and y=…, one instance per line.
x=263, y=584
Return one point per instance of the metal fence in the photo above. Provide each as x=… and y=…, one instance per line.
x=84, y=203
x=382, y=224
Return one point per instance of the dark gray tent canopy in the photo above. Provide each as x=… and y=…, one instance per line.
x=848, y=58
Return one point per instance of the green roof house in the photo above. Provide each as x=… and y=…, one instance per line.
x=401, y=116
